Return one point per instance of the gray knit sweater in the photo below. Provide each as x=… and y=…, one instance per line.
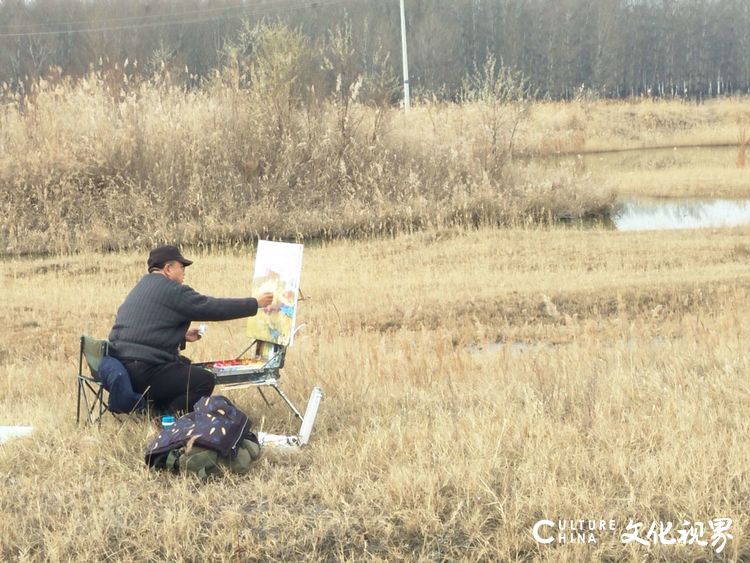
x=150, y=325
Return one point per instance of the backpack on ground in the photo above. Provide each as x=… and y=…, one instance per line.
x=216, y=437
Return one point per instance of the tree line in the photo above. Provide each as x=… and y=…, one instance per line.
x=562, y=48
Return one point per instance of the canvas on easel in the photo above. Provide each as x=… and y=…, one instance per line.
x=278, y=268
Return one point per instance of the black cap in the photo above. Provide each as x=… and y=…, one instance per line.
x=163, y=254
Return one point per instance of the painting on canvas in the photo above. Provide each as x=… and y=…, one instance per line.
x=278, y=267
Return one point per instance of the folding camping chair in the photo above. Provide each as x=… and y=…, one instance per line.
x=90, y=388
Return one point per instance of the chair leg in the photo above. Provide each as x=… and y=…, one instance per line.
x=102, y=407
x=83, y=386
x=97, y=402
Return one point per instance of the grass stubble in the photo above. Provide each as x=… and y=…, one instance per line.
x=476, y=381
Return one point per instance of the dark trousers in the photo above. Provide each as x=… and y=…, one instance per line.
x=176, y=386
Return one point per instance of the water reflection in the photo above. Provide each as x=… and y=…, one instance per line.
x=658, y=214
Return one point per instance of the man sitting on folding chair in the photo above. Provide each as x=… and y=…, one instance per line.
x=152, y=326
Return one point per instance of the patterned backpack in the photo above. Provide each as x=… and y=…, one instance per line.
x=214, y=438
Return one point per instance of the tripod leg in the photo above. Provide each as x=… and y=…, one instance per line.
x=287, y=401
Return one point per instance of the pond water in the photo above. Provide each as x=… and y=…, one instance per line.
x=658, y=214
x=641, y=212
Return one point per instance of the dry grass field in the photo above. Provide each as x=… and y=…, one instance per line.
x=584, y=125
x=700, y=149
x=682, y=172
x=476, y=382
x=616, y=125
x=657, y=148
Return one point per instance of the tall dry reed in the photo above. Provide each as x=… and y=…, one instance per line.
x=108, y=163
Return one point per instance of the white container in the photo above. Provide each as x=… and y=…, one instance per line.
x=10, y=432
x=278, y=441
x=292, y=443
x=310, y=413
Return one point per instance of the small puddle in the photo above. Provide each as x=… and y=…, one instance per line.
x=659, y=214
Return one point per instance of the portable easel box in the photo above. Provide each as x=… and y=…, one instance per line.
x=278, y=268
